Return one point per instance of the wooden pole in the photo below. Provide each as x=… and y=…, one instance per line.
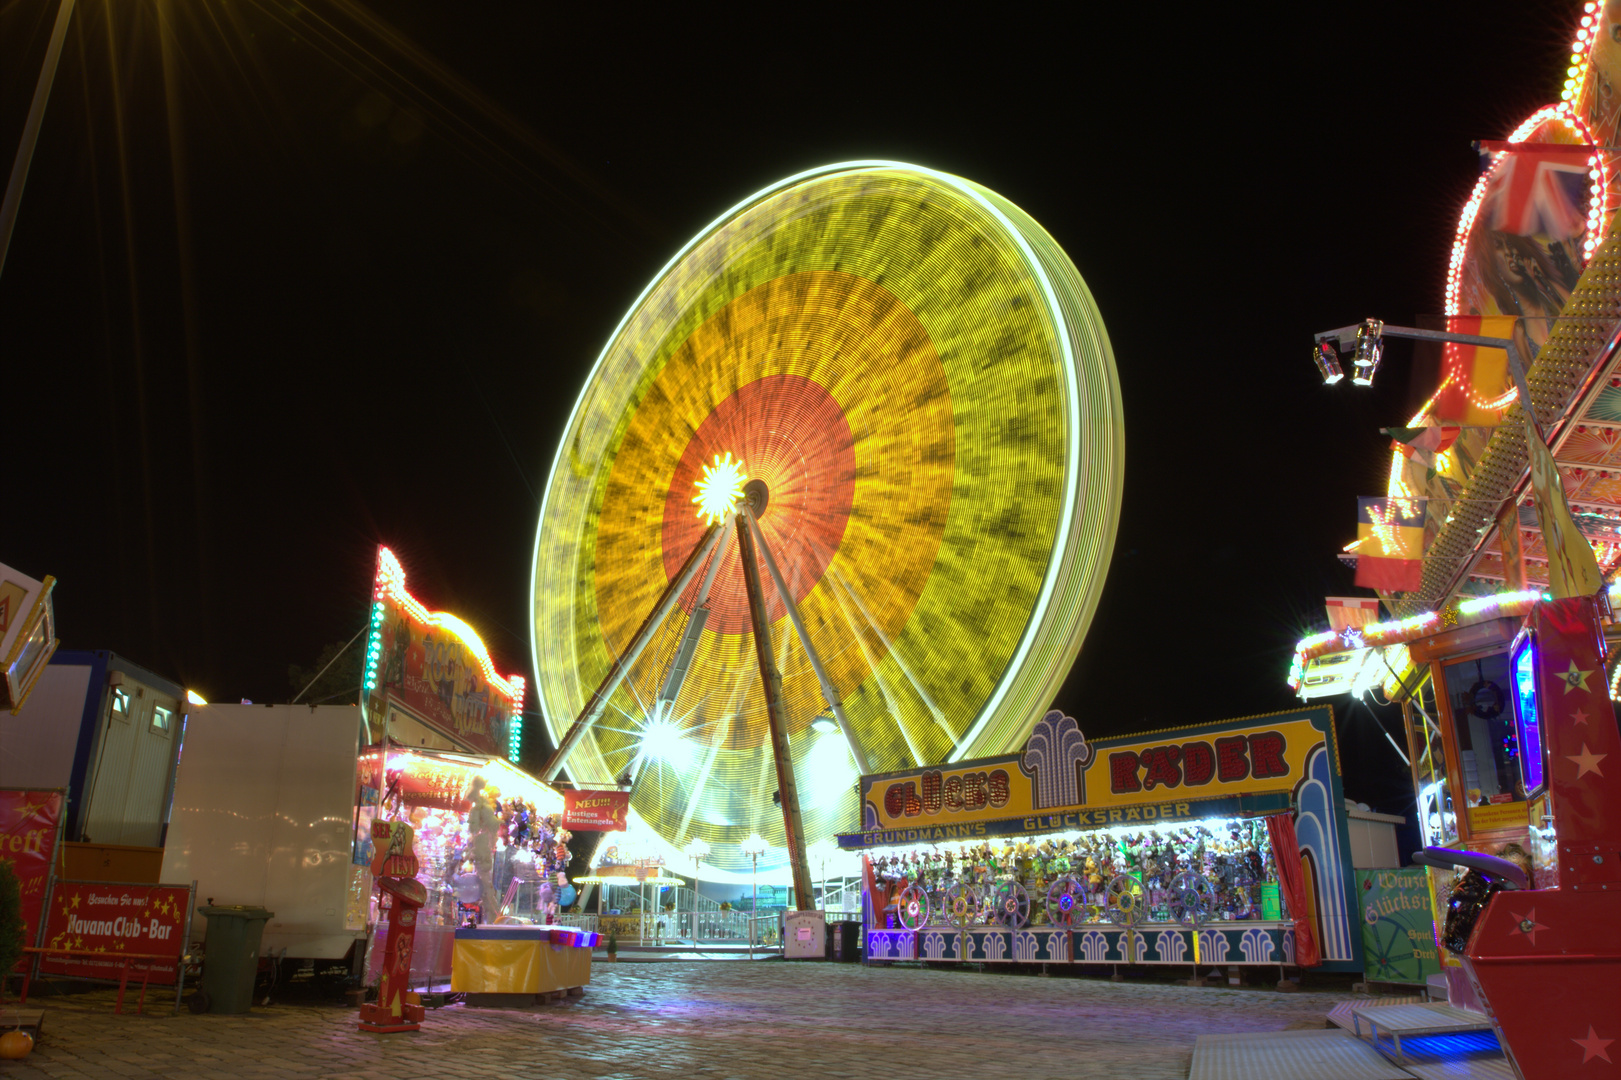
x=771, y=682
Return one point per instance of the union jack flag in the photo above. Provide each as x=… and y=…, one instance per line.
x=1541, y=191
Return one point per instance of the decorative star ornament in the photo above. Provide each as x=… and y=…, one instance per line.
x=1527, y=924
x=1594, y=1047
x=1579, y=717
x=1587, y=762
x=1575, y=678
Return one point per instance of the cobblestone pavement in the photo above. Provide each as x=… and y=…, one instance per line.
x=695, y=1019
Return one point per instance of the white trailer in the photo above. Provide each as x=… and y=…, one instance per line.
x=264, y=810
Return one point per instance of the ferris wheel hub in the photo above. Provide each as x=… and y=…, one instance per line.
x=756, y=494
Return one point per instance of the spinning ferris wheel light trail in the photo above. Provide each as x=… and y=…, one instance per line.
x=893, y=388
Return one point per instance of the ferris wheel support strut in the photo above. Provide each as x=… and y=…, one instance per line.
x=834, y=702
x=771, y=684
x=616, y=674
x=682, y=663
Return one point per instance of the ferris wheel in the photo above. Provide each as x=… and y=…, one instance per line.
x=860, y=443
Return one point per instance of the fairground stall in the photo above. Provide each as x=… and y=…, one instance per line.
x=277, y=806
x=1218, y=844
x=489, y=844
x=1509, y=726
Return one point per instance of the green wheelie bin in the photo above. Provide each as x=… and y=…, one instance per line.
x=231, y=958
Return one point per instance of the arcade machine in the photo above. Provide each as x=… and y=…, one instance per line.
x=1523, y=830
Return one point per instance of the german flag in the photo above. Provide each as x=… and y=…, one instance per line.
x=1390, y=544
x=1474, y=380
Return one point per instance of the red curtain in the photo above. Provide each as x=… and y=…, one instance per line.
x=877, y=895
x=1280, y=828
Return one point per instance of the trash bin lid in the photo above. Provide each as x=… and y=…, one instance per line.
x=240, y=911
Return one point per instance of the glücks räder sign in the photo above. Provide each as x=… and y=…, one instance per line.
x=1064, y=781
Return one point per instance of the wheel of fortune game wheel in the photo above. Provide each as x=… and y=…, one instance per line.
x=916, y=377
x=912, y=907
x=1010, y=904
x=1127, y=900
x=961, y=904
x=1193, y=897
x=1065, y=899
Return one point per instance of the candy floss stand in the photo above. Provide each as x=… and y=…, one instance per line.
x=484, y=927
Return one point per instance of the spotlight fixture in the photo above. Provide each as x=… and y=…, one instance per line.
x=1328, y=362
x=1370, y=349
x=824, y=723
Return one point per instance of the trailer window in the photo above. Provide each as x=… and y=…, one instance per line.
x=120, y=705
x=161, y=719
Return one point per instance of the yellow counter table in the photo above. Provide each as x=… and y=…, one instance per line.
x=509, y=959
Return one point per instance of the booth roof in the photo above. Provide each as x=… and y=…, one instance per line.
x=498, y=772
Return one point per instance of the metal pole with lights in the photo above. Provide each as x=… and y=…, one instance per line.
x=754, y=847
x=1366, y=340
x=697, y=848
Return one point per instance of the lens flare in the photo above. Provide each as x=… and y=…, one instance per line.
x=720, y=488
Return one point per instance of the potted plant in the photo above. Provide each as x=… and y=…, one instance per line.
x=18, y=1043
x=613, y=945
x=11, y=917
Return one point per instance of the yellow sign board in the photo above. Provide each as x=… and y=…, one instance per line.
x=1062, y=775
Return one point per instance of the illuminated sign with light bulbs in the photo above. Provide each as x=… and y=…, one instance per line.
x=1119, y=781
x=433, y=667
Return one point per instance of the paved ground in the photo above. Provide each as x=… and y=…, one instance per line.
x=695, y=1019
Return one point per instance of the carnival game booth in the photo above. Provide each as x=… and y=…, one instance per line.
x=490, y=850
x=1219, y=844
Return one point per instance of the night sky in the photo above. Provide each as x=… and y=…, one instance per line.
x=291, y=281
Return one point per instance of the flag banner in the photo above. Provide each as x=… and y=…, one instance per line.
x=1475, y=384
x=1422, y=444
x=1390, y=544
x=1572, y=569
x=1427, y=441
x=29, y=822
x=1345, y=612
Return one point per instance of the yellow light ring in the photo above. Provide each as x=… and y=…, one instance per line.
x=980, y=412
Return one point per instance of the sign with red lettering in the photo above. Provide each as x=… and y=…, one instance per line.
x=112, y=919
x=1116, y=780
x=29, y=821
x=601, y=811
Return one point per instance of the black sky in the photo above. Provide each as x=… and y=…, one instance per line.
x=334, y=287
